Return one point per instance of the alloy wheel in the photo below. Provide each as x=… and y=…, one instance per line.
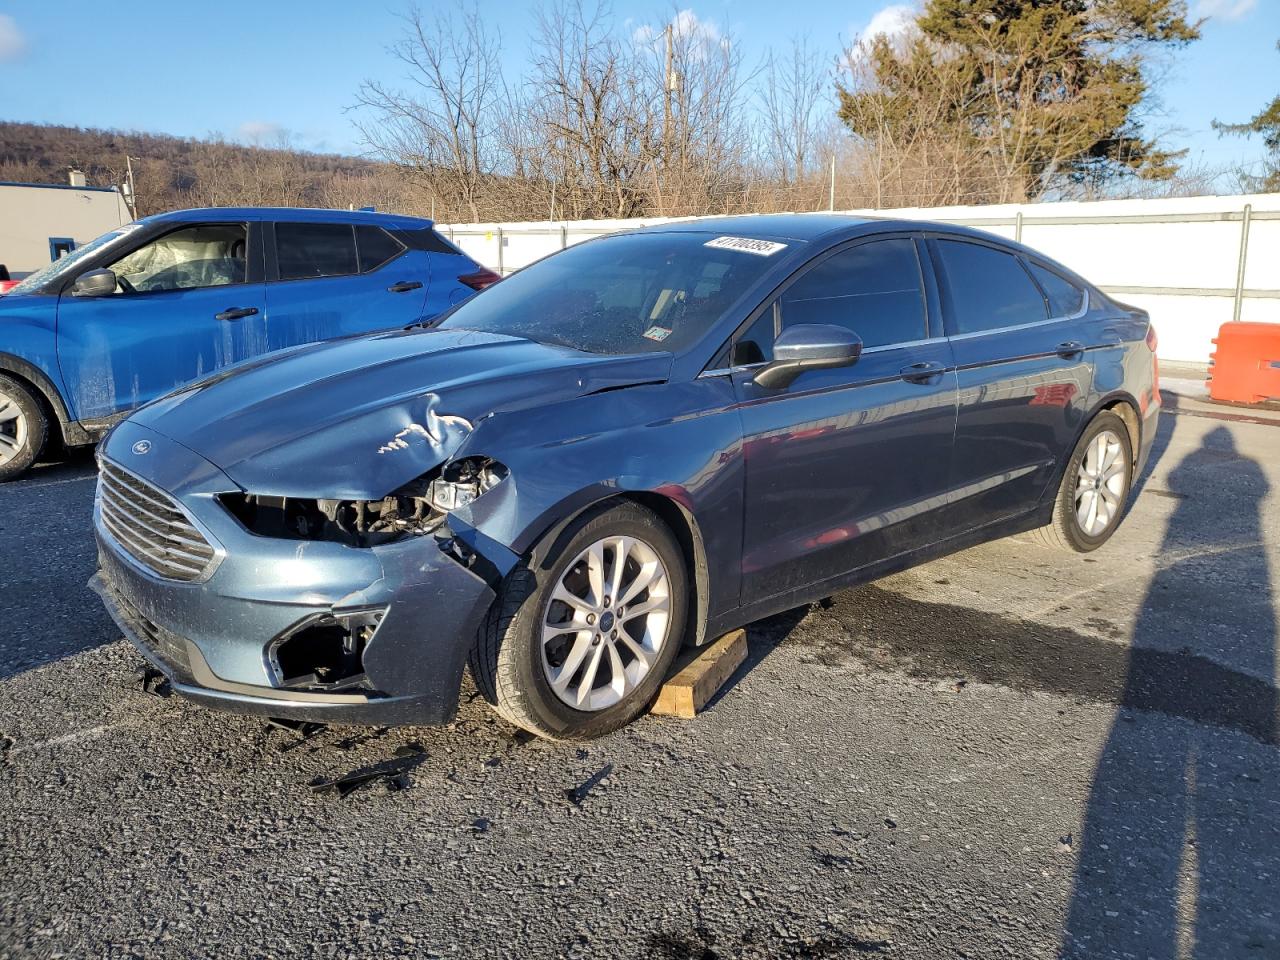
x=1100, y=484
x=13, y=429
x=605, y=622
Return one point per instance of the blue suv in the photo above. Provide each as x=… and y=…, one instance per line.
x=176, y=297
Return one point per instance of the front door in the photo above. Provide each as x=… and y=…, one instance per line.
x=846, y=467
x=186, y=304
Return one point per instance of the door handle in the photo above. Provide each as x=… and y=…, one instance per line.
x=926, y=371
x=404, y=286
x=235, y=313
x=1069, y=349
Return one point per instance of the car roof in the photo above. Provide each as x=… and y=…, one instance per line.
x=293, y=214
x=768, y=226
x=833, y=228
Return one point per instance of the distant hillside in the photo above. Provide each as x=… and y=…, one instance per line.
x=172, y=172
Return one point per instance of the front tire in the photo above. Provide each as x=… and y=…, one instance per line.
x=581, y=638
x=23, y=428
x=1094, y=491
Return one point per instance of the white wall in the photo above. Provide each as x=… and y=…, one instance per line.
x=1176, y=258
x=31, y=214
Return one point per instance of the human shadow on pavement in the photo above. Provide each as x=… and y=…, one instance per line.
x=1180, y=848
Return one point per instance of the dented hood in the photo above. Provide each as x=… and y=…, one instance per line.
x=357, y=418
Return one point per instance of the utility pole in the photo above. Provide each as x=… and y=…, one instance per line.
x=130, y=192
x=668, y=86
x=831, y=197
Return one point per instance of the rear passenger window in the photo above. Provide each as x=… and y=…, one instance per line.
x=989, y=288
x=376, y=247
x=873, y=289
x=309, y=250
x=1065, y=298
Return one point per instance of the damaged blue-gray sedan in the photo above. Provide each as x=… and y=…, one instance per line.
x=636, y=444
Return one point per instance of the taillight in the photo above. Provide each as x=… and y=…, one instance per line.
x=1152, y=342
x=480, y=279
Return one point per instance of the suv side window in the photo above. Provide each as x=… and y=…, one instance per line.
x=1065, y=298
x=206, y=255
x=874, y=289
x=989, y=288
x=376, y=247
x=310, y=250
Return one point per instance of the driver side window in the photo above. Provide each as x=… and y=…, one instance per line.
x=874, y=289
x=206, y=255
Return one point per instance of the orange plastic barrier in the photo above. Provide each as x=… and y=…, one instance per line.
x=1246, y=366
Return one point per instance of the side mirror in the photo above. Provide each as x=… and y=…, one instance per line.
x=94, y=283
x=808, y=346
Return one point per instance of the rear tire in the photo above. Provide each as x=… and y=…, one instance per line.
x=23, y=428
x=1094, y=493
x=555, y=616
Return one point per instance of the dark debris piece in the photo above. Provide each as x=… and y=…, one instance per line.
x=394, y=773
x=576, y=795
x=304, y=729
x=155, y=682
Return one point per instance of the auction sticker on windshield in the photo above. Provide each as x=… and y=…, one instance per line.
x=761, y=248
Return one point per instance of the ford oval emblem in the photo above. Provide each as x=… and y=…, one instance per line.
x=141, y=447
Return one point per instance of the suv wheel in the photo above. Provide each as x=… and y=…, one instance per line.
x=23, y=428
x=579, y=641
x=1095, y=488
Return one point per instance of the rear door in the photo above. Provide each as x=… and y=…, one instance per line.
x=331, y=280
x=1024, y=377
x=845, y=467
x=187, y=303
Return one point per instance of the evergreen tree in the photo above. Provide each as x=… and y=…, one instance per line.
x=1037, y=90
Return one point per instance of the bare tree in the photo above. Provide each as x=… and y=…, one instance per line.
x=443, y=130
x=794, y=100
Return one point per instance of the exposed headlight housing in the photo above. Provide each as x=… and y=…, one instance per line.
x=415, y=509
x=464, y=481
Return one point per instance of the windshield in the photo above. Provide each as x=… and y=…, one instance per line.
x=54, y=270
x=634, y=293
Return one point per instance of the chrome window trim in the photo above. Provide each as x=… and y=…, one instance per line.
x=1025, y=326
x=729, y=371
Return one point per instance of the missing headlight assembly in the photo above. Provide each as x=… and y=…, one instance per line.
x=415, y=509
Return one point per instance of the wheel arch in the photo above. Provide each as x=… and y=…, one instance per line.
x=1125, y=406
x=43, y=389
x=683, y=526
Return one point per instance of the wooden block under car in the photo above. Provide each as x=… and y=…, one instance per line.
x=684, y=694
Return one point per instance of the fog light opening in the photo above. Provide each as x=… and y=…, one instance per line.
x=324, y=653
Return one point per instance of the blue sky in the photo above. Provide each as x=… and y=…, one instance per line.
x=249, y=68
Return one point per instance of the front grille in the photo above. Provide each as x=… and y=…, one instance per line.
x=159, y=643
x=151, y=527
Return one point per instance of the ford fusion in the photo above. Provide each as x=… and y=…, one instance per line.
x=636, y=444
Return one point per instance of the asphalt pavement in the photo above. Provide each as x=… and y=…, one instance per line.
x=1009, y=752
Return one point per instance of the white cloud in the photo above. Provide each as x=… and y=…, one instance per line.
x=12, y=43
x=686, y=26
x=1224, y=9
x=261, y=132
x=893, y=22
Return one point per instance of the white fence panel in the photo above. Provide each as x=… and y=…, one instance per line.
x=1192, y=262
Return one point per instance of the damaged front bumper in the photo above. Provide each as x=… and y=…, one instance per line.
x=304, y=630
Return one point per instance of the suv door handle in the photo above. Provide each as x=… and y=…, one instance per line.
x=926, y=371
x=404, y=286
x=1069, y=348
x=235, y=313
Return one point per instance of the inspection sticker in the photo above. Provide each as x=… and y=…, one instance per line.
x=761, y=248
x=657, y=333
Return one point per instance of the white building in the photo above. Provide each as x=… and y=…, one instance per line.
x=40, y=222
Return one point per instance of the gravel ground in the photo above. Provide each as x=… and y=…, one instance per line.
x=1009, y=752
